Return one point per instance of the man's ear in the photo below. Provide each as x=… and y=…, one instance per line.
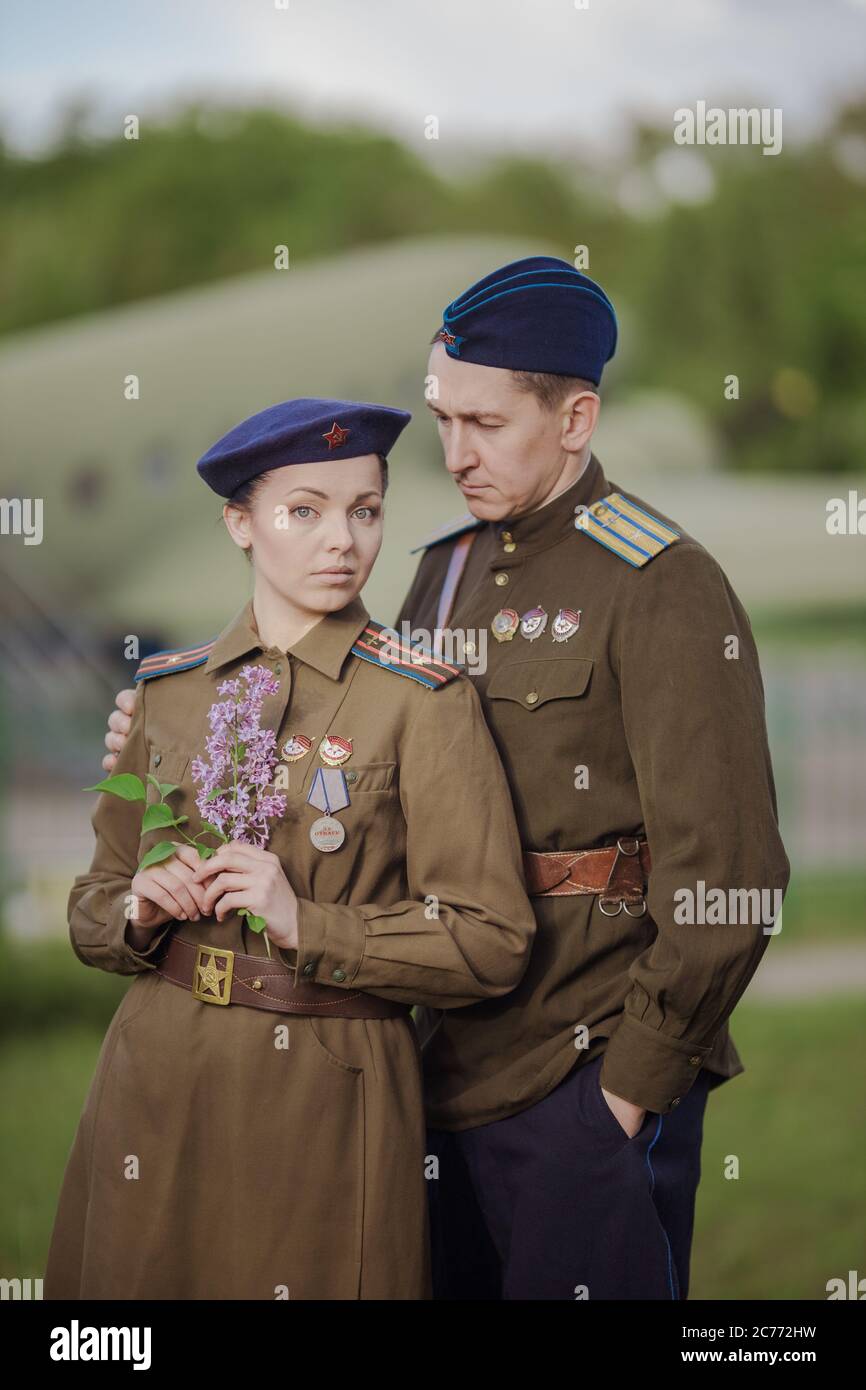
x=579, y=419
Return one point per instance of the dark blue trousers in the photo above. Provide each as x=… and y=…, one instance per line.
x=558, y=1203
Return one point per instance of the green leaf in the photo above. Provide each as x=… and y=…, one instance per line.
x=205, y=852
x=253, y=922
x=123, y=784
x=211, y=796
x=164, y=850
x=164, y=788
x=212, y=829
x=160, y=817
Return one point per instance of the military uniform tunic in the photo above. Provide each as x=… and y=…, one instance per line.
x=210, y=1162
x=671, y=734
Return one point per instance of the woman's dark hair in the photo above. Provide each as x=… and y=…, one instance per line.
x=245, y=495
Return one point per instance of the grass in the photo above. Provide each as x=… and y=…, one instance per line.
x=821, y=908
x=44, y=1079
x=795, y=1216
x=816, y=626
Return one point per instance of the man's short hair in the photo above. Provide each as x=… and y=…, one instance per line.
x=549, y=388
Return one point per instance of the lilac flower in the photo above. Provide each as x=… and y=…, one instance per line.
x=240, y=762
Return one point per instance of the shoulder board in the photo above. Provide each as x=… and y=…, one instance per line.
x=626, y=529
x=381, y=646
x=448, y=531
x=166, y=663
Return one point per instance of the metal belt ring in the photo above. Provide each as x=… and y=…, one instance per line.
x=601, y=904
x=636, y=914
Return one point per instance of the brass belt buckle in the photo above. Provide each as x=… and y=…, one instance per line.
x=212, y=983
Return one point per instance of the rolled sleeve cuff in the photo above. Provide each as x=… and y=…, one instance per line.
x=331, y=941
x=145, y=959
x=648, y=1068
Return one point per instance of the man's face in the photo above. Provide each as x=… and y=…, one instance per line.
x=504, y=450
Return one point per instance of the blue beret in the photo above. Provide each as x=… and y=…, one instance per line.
x=302, y=431
x=535, y=315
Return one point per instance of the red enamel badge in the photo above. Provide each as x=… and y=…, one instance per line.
x=336, y=436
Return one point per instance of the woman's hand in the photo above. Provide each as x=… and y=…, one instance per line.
x=168, y=891
x=241, y=875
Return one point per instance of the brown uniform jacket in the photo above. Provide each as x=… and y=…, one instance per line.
x=296, y=1167
x=672, y=735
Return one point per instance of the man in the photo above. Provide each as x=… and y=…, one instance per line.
x=624, y=694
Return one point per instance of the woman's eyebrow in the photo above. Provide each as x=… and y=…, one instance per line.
x=371, y=492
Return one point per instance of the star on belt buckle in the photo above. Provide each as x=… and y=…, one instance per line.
x=211, y=983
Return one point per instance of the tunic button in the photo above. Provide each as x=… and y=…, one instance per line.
x=278, y=670
x=509, y=546
x=157, y=760
x=351, y=776
x=257, y=984
x=507, y=536
x=309, y=968
x=501, y=579
x=532, y=697
x=695, y=1061
x=338, y=975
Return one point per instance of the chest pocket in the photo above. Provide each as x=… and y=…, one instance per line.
x=166, y=766
x=370, y=777
x=365, y=777
x=532, y=684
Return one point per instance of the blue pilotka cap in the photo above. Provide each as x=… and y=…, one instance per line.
x=307, y=430
x=534, y=315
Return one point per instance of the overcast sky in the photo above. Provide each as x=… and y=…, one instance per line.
x=502, y=72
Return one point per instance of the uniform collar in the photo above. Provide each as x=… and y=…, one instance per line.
x=542, y=528
x=325, y=646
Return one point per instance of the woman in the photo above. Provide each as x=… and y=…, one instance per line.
x=274, y=1147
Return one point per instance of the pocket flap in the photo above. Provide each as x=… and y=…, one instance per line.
x=533, y=683
x=171, y=768
x=370, y=777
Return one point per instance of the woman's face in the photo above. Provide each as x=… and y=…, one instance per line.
x=315, y=530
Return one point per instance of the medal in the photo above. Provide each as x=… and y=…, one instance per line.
x=504, y=625
x=297, y=747
x=565, y=624
x=533, y=623
x=328, y=793
x=327, y=834
x=334, y=750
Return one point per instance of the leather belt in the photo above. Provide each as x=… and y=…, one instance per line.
x=219, y=976
x=615, y=874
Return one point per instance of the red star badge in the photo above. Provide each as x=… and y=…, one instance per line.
x=336, y=436
x=445, y=337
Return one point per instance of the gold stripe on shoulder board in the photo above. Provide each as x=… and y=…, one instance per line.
x=626, y=529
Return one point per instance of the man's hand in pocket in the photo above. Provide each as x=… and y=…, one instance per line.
x=631, y=1117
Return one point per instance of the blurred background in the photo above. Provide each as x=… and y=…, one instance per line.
x=398, y=152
